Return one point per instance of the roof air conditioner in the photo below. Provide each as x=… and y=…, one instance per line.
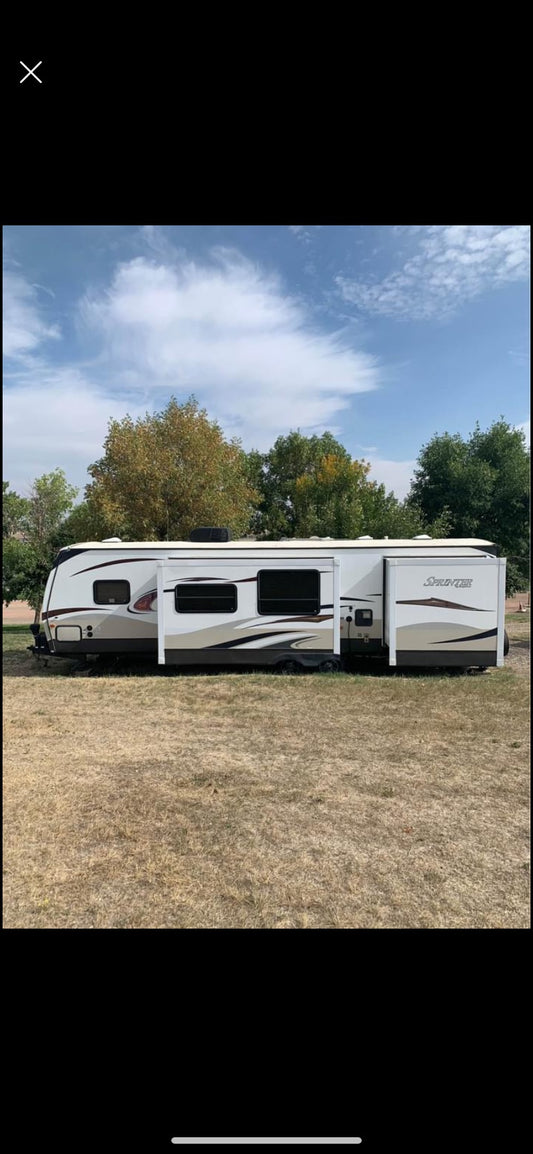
x=210, y=533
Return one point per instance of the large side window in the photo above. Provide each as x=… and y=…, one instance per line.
x=111, y=592
x=204, y=598
x=288, y=591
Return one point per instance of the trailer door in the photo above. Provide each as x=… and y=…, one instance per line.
x=445, y=610
x=232, y=604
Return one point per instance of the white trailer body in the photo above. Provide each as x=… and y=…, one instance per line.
x=243, y=622
x=438, y=608
x=258, y=603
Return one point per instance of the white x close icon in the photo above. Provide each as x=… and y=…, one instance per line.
x=30, y=72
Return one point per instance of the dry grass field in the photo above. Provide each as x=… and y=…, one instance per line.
x=254, y=800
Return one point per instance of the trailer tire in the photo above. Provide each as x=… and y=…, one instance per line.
x=505, y=643
x=289, y=667
x=330, y=666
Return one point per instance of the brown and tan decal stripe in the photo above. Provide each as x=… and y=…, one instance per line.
x=438, y=604
x=77, y=609
x=105, y=564
x=279, y=633
x=224, y=580
x=471, y=637
x=313, y=617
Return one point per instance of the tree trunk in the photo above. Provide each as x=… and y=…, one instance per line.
x=36, y=619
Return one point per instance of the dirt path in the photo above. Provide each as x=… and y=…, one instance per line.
x=512, y=605
x=17, y=613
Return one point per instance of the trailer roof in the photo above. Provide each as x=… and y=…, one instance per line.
x=293, y=543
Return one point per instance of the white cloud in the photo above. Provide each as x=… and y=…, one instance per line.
x=452, y=264
x=395, y=475
x=224, y=330
x=525, y=427
x=230, y=334
x=302, y=231
x=56, y=418
x=23, y=326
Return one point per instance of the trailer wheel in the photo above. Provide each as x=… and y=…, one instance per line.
x=505, y=643
x=289, y=667
x=330, y=666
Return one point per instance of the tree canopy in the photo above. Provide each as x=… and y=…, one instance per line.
x=14, y=510
x=484, y=483
x=28, y=557
x=310, y=486
x=167, y=473
x=297, y=481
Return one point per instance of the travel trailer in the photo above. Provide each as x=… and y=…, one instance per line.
x=288, y=604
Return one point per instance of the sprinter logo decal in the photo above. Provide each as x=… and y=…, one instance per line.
x=457, y=582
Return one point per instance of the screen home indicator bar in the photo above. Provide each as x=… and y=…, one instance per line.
x=267, y=1141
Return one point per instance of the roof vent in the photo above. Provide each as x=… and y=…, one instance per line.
x=107, y=540
x=365, y=538
x=422, y=537
x=210, y=533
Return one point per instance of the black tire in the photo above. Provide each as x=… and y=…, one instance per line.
x=289, y=667
x=505, y=643
x=330, y=666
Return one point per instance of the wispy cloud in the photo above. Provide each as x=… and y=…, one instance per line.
x=526, y=428
x=56, y=417
x=228, y=332
x=452, y=264
x=223, y=329
x=520, y=356
x=303, y=232
x=24, y=326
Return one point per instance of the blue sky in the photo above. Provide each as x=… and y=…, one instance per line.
x=384, y=335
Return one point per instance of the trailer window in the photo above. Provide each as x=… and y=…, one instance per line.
x=364, y=616
x=111, y=592
x=288, y=591
x=203, y=598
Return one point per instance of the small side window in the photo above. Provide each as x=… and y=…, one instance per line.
x=204, y=598
x=364, y=616
x=111, y=592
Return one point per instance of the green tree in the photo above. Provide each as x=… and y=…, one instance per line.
x=14, y=509
x=17, y=559
x=24, y=573
x=327, y=499
x=81, y=524
x=383, y=515
x=27, y=561
x=275, y=474
x=484, y=482
x=51, y=498
x=168, y=473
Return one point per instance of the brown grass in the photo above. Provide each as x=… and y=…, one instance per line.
x=259, y=801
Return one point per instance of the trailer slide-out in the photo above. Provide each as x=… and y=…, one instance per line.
x=287, y=604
